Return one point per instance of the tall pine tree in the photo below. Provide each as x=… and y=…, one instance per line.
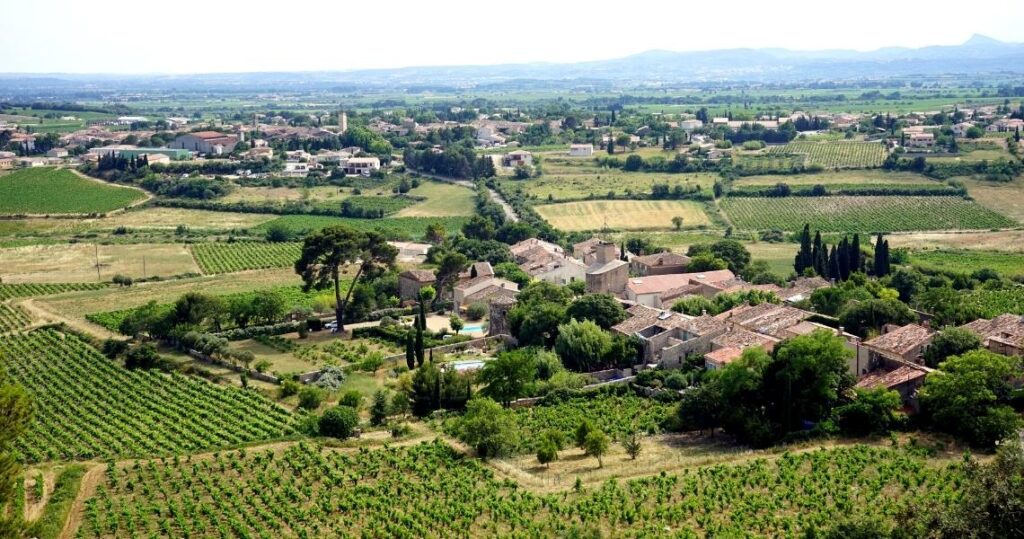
x=804, y=257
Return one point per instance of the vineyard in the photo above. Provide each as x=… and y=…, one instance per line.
x=23, y=290
x=218, y=257
x=777, y=162
x=966, y=262
x=615, y=414
x=836, y=154
x=86, y=406
x=50, y=190
x=862, y=213
x=993, y=303
x=12, y=318
x=395, y=228
x=429, y=490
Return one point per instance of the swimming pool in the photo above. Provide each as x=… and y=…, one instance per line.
x=477, y=328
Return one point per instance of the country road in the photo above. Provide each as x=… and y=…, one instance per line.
x=510, y=213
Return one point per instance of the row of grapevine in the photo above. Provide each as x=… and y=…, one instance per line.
x=12, y=318
x=85, y=406
x=429, y=490
x=21, y=290
x=844, y=154
x=862, y=213
x=217, y=257
x=615, y=414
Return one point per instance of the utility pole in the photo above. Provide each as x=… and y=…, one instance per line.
x=98, y=278
x=143, y=267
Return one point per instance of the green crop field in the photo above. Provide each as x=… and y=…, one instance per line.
x=86, y=406
x=398, y=228
x=761, y=163
x=862, y=213
x=219, y=257
x=12, y=318
x=21, y=290
x=430, y=490
x=623, y=214
x=965, y=262
x=836, y=154
x=50, y=190
x=841, y=177
x=574, y=179
x=442, y=200
x=993, y=303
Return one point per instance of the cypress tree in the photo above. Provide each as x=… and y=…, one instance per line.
x=818, y=257
x=888, y=266
x=856, y=257
x=410, y=351
x=843, y=259
x=833, y=265
x=419, y=347
x=877, y=263
x=804, y=257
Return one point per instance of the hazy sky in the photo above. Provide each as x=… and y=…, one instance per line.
x=189, y=36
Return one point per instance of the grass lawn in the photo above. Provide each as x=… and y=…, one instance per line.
x=974, y=155
x=623, y=214
x=844, y=177
x=47, y=190
x=442, y=200
x=77, y=262
x=279, y=361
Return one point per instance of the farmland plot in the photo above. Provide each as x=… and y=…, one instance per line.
x=86, y=406
x=47, y=190
x=622, y=214
x=836, y=154
x=862, y=213
x=430, y=490
x=218, y=257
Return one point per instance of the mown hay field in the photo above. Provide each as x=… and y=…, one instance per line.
x=623, y=214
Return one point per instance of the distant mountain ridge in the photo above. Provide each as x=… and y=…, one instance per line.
x=978, y=55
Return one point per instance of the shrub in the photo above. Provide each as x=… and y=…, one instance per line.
x=287, y=389
x=331, y=378
x=476, y=311
x=352, y=398
x=339, y=422
x=314, y=323
x=310, y=397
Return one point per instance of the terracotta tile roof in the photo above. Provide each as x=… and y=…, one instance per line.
x=741, y=338
x=418, y=275
x=490, y=293
x=654, y=284
x=704, y=325
x=207, y=134
x=662, y=259
x=723, y=356
x=1005, y=327
x=893, y=378
x=522, y=247
x=901, y=340
x=766, y=318
x=642, y=316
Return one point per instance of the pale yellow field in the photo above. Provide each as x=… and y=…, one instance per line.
x=443, y=200
x=623, y=214
x=142, y=218
x=1006, y=198
x=282, y=194
x=1011, y=241
x=77, y=262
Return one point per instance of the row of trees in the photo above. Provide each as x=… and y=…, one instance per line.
x=844, y=259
